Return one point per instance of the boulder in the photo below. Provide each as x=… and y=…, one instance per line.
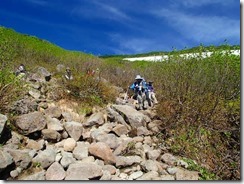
x=186, y=175
x=95, y=119
x=36, y=94
x=81, y=150
x=74, y=129
x=29, y=123
x=53, y=112
x=110, y=139
x=51, y=135
x=24, y=106
x=54, y=124
x=41, y=75
x=120, y=129
x=83, y=171
x=5, y=159
x=135, y=118
x=168, y=159
x=69, y=144
x=45, y=158
x=55, y=172
x=103, y=151
x=21, y=158
x=122, y=161
x=67, y=159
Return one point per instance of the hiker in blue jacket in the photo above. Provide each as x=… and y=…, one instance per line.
x=140, y=91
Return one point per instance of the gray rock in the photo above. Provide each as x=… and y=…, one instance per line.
x=114, y=116
x=5, y=159
x=55, y=172
x=45, y=158
x=110, y=139
x=172, y=170
x=54, y=124
x=67, y=159
x=88, y=159
x=51, y=135
x=81, y=150
x=14, y=173
x=153, y=155
x=109, y=168
x=186, y=175
x=106, y=175
x=35, y=93
x=53, y=112
x=83, y=171
x=41, y=75
x=69, y=144
x=24, y=106
x=103, y=151
x=135, y=175
x=120, y=130
x=15, y=140
x=149, y=176
x=123, y=147
x=36, y=145
x=149, y=165
x=74, y=129
x=167, y=177
x=142, y=131
x=154, y=125
x=3, y=120
x=95, y=119
x=20, y=157
x=122, y=161
x=133, y=117
x=168, y=159
x=29, y=123
x=36, y=176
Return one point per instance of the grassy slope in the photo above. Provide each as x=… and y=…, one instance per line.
x=14, y=46
x=189, y=109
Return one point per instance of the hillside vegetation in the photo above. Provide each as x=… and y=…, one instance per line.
x=199, y=98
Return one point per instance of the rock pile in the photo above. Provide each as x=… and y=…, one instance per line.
x=114, y=143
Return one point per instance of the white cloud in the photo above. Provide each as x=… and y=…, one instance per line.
x=98, y=10
x=201, y=28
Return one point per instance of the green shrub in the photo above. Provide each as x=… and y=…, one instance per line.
x=11, y=88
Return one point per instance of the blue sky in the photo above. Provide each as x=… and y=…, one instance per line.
x=103, y=27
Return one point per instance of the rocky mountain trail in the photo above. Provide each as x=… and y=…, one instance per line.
x=51, y=141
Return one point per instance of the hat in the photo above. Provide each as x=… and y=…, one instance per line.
x=138, y=77
x=150, y=82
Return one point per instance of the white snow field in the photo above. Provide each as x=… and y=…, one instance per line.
x=166, y=57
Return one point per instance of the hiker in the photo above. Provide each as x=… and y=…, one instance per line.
x=151, y=92
x=68, y=74
x=140, y=90
x=20, y=70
